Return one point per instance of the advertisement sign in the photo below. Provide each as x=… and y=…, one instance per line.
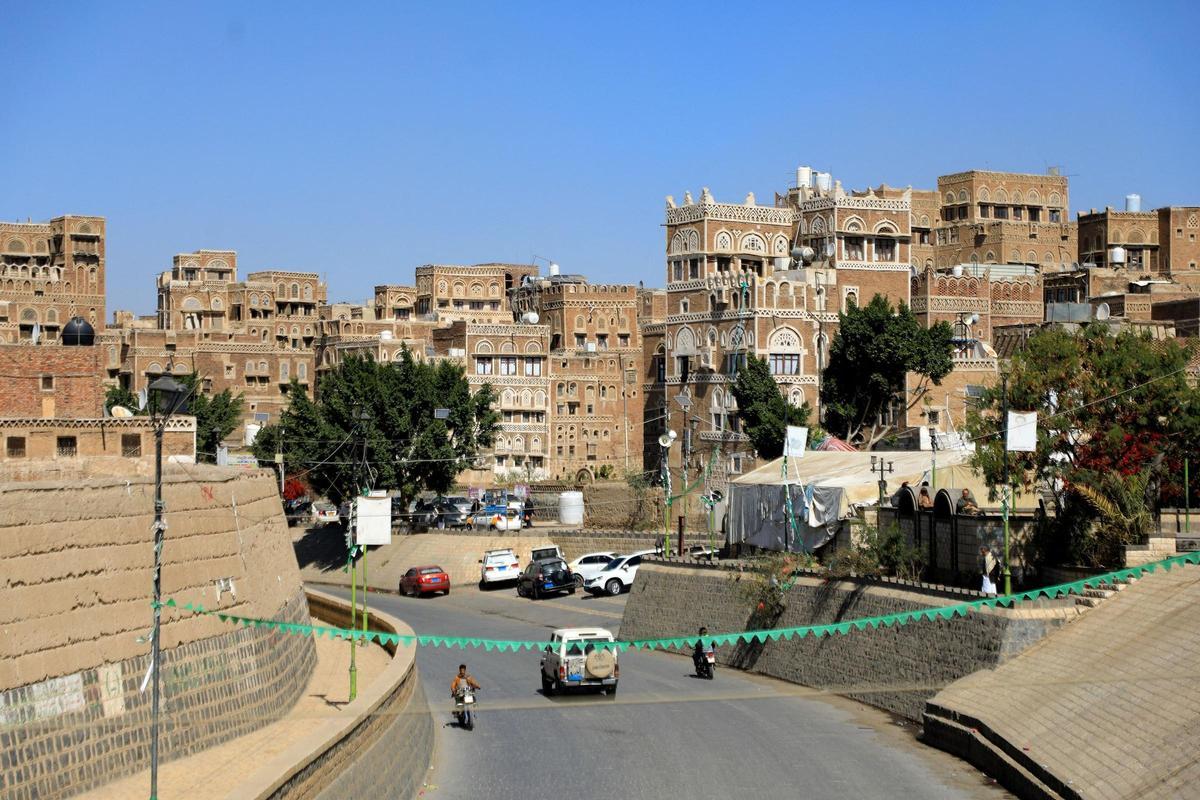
x=1022, y=432
x=373, y=519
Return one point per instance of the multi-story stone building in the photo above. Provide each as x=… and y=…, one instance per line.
x=1120, y=239
x=594, y=363
x=511, y=357
x=50, y=272
x=735, y=288
x=1004, y=218
x=477, y=293
x=1179, y=241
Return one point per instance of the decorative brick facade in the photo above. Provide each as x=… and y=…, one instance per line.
x=51, y=380
x=50, y=272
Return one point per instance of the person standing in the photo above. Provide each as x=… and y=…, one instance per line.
x=987, y=564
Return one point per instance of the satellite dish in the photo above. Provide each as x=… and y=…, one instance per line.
x=665, y=441
x=1103, y=312
x=971, y=320
x=120, y=412
x=530, y=317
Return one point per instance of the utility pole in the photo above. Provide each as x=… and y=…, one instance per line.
x=1007, y=482
x=883, y=467
x=279, y=459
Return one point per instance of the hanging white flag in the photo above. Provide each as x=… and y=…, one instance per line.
x=797, y=441
x=1022, y=431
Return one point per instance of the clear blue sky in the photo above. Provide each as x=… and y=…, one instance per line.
x=361, y=140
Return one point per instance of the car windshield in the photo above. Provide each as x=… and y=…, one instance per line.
x=431, y=571
x=616, y=562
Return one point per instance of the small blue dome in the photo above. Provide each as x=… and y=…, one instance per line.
x=78, y=332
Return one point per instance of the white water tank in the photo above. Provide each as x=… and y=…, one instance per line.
x=804, y=176
x=1133, y=202
x=1116, y=255
x=570, y=508
x=824, y=181
x=957, y=271
x=385, y=335
x=252, y=429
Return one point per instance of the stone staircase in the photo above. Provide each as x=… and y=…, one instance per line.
x=1095, y=596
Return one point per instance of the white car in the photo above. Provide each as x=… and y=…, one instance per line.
x=617, y=576
x=572, y=660
x=589, y=566
x=499, y=566
x=499, y=518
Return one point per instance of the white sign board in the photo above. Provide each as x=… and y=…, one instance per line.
x=796, y=442
x=373, y=519
x=1022, y=432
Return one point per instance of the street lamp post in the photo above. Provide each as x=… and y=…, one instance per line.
x=361, y=416
x=883, y=467
x=664, y=444
x=167, y=396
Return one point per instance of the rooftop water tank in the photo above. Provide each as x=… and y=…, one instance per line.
x=824, y=181
x=1133, y=202
x=78, y=332
x=1116, y=255
x=804, y=176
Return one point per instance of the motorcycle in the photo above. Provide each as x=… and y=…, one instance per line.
x=706, y=664
x=464, y=704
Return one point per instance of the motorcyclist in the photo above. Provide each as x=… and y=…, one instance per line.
x=702, y=649
x=462, y=681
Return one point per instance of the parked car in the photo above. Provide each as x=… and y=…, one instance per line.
x=588, y=566
x=538, y=553
x=449, y=514
x=702, y=551
x=547, y=576
x=618, y=576
x=421, y=515
x=500, y=518
x=297, y=510
x=325, y=514
x=572, y=660
x=424, y=580
x=498, y=566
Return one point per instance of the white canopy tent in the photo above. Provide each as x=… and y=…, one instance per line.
x=824, y=488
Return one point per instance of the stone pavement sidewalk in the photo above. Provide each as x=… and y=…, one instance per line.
x=1108, y=706
x=215, y=772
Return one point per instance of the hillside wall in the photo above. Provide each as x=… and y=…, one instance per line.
x=896, y=668
x=76, y=564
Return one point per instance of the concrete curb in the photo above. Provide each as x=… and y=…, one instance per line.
x=314, y=766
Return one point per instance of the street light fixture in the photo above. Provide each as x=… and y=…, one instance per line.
x=664, y=442
x=167, y=396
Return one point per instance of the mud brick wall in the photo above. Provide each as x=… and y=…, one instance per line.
x=76, y=564
x=896, y=668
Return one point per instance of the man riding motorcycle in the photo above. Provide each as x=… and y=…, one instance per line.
x=462, y=681
x=700, y=655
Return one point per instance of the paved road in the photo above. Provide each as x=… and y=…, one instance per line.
x=664, y=734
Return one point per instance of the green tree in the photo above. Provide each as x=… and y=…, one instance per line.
x=764, y=411
x=388, y=409
x=875, y=349
x=1107, y=405
x=120, y=396
x=216, y=417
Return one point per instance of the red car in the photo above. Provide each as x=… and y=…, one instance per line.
x=424, y=580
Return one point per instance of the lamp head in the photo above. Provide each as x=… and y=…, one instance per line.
x=170, y=396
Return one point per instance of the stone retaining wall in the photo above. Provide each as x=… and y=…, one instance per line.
x=66, y=735
x=76, y=576
x=381, y=745
x=896, y=669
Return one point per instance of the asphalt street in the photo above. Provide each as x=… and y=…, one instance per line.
x=665, y=733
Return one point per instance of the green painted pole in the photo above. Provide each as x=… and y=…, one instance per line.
x=1187, y=500
x=353, y=609
x=365, y=609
